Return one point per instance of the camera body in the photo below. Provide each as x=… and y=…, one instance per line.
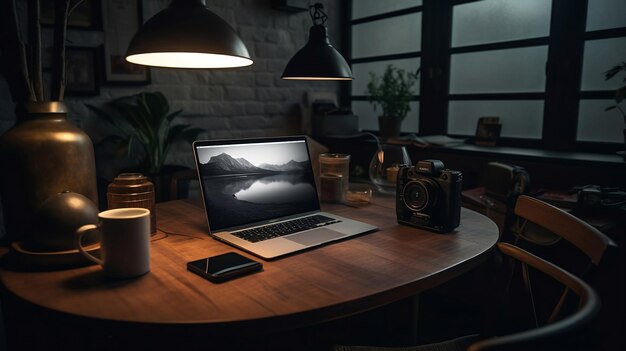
x=428, y=196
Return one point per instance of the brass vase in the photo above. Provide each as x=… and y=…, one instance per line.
x=41, y=156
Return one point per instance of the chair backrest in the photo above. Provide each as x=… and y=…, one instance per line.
x=556, y=332
x=586, y=238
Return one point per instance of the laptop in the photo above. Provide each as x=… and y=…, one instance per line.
x=260, y=196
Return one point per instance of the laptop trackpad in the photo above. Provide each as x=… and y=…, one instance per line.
x=314, y=237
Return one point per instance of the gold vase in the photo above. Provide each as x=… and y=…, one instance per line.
x=41, y=156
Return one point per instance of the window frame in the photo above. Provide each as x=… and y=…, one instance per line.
x=413, y=54
x=562, y=94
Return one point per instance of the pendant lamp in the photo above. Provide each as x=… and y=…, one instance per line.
x=317, y=60
x=187, y=35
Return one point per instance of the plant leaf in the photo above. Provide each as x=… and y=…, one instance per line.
x=101, y=113
x=191, y=134
x=393, y=92
x=157, y=104
x=176, y=132
x=143, y=122
x=172, y=115
x=614, y=70
x=129, y=147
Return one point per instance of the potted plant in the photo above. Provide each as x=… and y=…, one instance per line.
x=145, y=133
x=620, y=93
x=393, y=92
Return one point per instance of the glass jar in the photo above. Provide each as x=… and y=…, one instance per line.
x=385, y=165
x=133, y=190
x=332, y=167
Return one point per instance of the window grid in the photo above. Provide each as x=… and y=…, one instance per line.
x=563, y=71
x=358, y=97
x=595, y=125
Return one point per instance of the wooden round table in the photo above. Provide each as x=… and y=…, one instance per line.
x=308, y=288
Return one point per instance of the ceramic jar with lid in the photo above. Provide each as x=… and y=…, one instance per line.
x=133, y=190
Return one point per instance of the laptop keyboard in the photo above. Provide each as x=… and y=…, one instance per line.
x=284, y=228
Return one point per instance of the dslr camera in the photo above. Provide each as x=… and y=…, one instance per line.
x=428, y=196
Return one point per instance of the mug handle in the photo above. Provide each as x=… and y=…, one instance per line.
x=78, y=238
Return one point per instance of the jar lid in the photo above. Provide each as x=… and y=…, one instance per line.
x=334, y=158
x=126, y=183
x=130, y=178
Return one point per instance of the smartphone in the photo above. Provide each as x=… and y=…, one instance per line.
x=224, y=267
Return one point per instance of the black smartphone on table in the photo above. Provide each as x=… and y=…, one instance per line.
x=224, y=267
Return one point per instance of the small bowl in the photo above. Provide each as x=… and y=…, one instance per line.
x=358, y=195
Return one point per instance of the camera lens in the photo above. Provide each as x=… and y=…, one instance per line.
x=420, y=194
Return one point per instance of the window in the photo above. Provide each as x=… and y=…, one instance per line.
x=604, y=48
x=537, y=64
x=511, y=65
x=385, y=23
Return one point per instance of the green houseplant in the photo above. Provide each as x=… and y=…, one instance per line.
x=145, y=131
x=393, y=92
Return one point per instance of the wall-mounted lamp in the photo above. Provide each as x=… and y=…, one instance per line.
x=187, y=35
x=317, y=60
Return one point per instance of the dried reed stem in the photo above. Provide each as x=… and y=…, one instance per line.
x=35, y=42
x=57, y=90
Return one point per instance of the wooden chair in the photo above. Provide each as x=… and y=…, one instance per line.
x=561, y=331
x=569, y=242
x=552, y=234
x=534, y=217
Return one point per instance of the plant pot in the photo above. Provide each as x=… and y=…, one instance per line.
x=163, y=180
x=389, y=126
x=41, y=156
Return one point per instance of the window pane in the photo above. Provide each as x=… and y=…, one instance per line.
x=362, y=77
x=595, y=124
x=366, y=8
x=491, y=21
x=368, y=118
x=390, y=36
x=498, y=71
x=519, y=119
x=600, y=56
x=606, y=14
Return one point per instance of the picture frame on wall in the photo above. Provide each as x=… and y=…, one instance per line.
x=122, y=19
x=83, y=71
x=88, y=15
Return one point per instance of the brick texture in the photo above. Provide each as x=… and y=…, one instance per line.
x=245, y=102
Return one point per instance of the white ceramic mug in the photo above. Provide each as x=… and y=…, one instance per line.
x=124, y=241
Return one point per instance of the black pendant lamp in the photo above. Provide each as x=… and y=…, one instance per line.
x=317, y=60
x=187, y=35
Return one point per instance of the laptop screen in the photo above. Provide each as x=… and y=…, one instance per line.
x=255, y=180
